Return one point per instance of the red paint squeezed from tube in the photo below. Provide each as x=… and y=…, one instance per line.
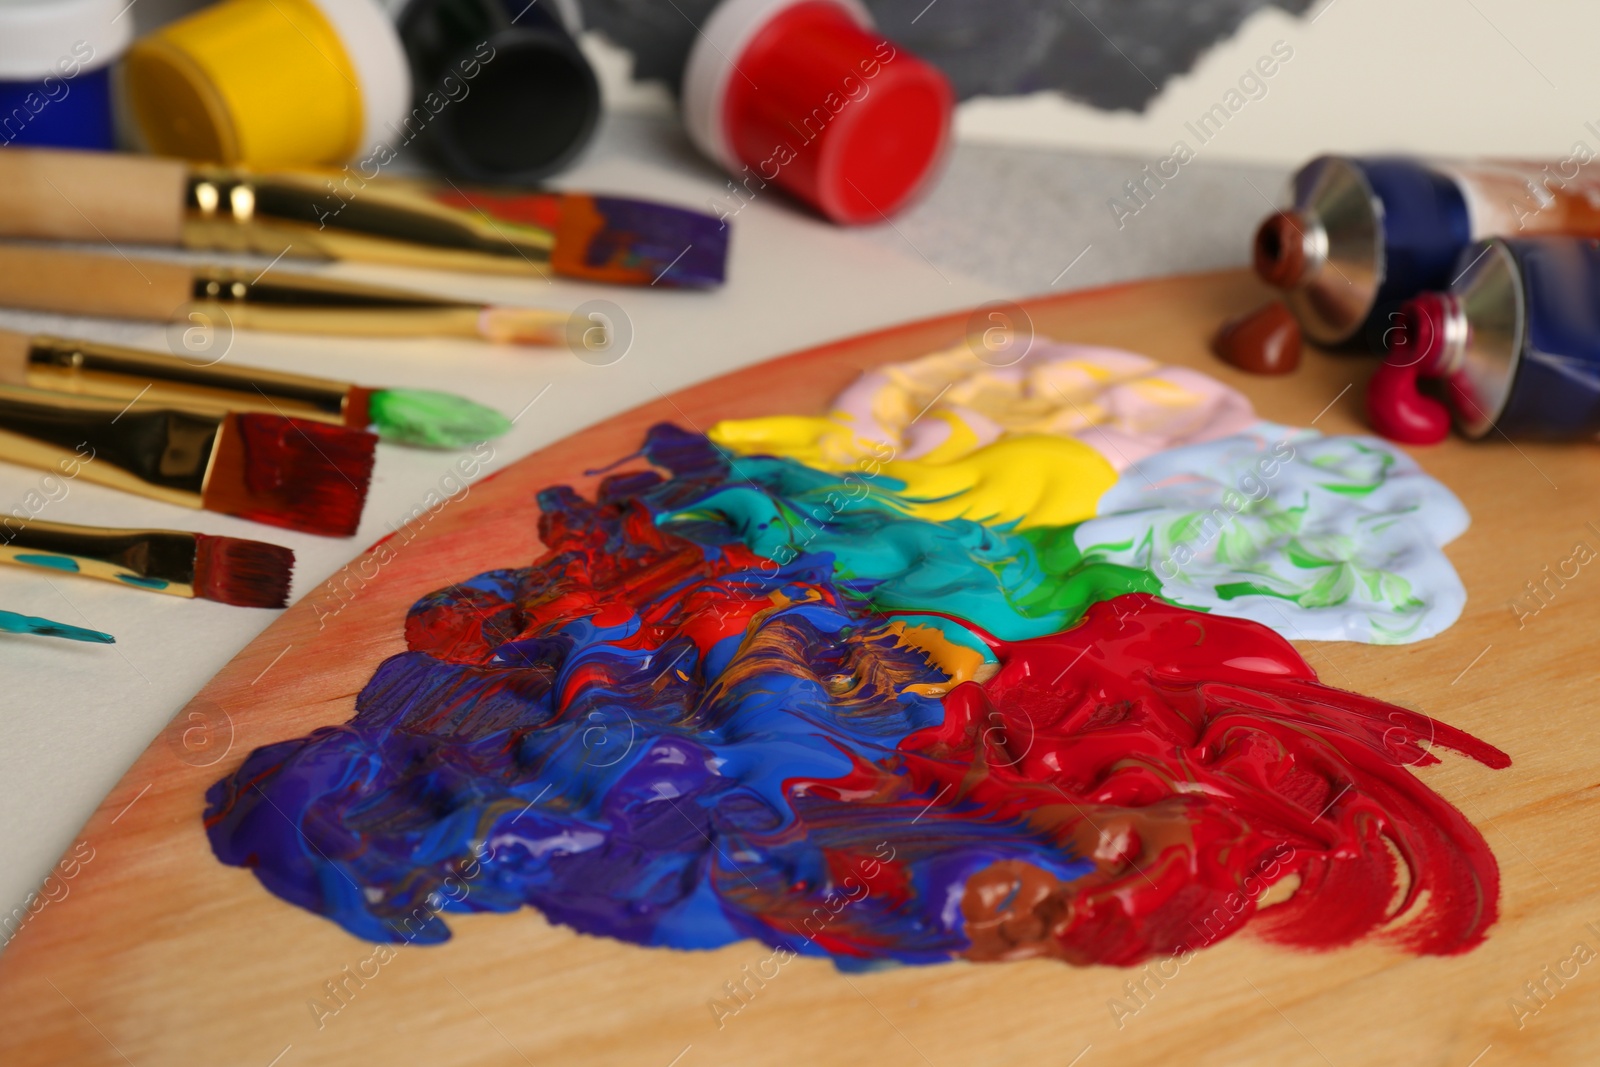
x=1214, y=781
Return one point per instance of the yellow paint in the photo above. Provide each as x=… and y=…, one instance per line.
x=1029, y=480
x=263, y=82
x=823, y=443
x=1034, y=444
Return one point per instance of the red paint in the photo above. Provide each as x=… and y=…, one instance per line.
x=1396, y=408
x=1202, y=762
x=541, y=211
x=1266, y=341
x=250, y=574
x=296, y=473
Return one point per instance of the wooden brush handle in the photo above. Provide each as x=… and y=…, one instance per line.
x=13, y=358
x=91, y=196
x=87, y=283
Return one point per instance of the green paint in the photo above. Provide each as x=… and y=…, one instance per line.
x=12, y=623
x=59, y=563
x=433, y=420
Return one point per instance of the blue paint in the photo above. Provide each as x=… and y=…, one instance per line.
x=60, y=563
x=56, y=60
x=59, y=113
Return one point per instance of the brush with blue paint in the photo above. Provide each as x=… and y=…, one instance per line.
x=13, y=623
x=229, y=570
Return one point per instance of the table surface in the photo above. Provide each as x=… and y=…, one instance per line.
x=1001, y=222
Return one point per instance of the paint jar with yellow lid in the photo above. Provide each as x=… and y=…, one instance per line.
x=269, y=83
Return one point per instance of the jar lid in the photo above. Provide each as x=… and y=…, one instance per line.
x=40, y=37
x=805, y=94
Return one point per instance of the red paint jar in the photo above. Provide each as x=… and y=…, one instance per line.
x=804, y=95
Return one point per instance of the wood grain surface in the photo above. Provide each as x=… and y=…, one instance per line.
x=154, y=953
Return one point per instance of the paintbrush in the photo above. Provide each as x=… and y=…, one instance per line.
x=338, y=215
x=88, y=368
x=286, y=472
x=229, y=570
x=39, y=278
x=12, y=623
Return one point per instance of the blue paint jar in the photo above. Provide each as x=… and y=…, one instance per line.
x=56, y=59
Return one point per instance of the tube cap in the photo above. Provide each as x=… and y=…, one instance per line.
x=37, y=35
x=805, y=95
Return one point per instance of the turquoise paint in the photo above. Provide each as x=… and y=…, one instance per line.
x=1012, y=585
x=13, y=623
x=143, y=583
x=60, y=563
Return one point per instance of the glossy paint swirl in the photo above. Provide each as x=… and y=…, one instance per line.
x=693, y=720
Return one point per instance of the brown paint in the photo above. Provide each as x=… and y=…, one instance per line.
x=1266, y=341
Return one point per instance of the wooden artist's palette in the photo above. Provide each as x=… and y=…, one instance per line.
x=159, y=954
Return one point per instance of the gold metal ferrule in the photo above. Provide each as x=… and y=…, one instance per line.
x=308, y=303
x=158, y=560
x=87, y=368
x=161, y=453
x=337, y=216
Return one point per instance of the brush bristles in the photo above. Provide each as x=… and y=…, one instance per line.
x=247, y=574
x=290, y=472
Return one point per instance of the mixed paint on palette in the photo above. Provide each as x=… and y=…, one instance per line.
x=988, y=663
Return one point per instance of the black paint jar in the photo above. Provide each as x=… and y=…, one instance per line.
x=502, y=93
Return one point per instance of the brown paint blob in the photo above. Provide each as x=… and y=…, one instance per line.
x=1266, y=341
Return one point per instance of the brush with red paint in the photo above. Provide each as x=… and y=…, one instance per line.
x=303, y=475
x=229, y=570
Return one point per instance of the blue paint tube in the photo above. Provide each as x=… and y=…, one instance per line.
x=1514, y=343
x=1366, y=234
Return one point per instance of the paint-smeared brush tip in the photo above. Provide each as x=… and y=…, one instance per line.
x=247, y=574
x=433, y=420
x=291, y=472
x=11, y=622
x=522, y=326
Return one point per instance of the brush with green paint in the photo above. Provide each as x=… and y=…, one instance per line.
x=88, y=368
